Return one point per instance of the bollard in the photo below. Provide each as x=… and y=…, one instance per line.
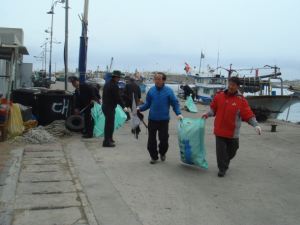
x=273, y=128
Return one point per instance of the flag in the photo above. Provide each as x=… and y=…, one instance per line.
x=138, y=74
x=202, y=55
x=256, y=73
x=187, y=67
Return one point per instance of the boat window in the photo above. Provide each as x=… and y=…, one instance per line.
x=219, y=81
x=206, y=91
x=200, y=80
x=210, y=81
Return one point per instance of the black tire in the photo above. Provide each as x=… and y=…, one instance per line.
x=75, y=123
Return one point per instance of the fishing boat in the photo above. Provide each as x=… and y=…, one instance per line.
x=208, y=84
x=295, y=89
x=267, y=104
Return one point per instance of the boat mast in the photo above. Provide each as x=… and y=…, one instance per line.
x=230, y=71
x=201, y=57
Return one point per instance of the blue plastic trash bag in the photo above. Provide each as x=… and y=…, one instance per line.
x=191, y=135
x=191, y=105
x=99, y=119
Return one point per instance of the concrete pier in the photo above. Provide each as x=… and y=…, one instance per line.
x=77, y=181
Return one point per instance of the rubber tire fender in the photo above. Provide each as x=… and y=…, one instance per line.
x=75, y=123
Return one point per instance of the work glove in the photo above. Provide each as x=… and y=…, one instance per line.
x=125, y=109
x=180, y=117
x=204, y=116
x=257, y=129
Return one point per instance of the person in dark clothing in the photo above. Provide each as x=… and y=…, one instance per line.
x=97, y=93
x=188, y=91
x=85, y=97
x=131, y=88
x=111, y=98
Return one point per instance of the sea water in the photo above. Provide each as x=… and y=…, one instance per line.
x=293, y=115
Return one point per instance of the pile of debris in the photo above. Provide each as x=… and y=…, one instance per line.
x=48, y=134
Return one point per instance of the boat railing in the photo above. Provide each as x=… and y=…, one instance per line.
x=281, y=82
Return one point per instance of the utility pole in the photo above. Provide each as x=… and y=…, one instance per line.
x=66, y=44
x=51, y=43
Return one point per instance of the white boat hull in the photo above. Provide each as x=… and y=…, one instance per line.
x=276, y=103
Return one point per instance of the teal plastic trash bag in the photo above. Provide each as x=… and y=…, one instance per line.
x=97, y=113
x=191, y=134
x=99, y=119
x=191, y=105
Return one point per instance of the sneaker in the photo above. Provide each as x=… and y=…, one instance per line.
x=152, y=161
x=221, y=173
x=163, y=157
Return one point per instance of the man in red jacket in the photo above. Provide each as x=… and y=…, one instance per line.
x=229, y=107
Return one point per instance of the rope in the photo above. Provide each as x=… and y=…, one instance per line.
x=48, y=134
x=58, y=129
x=36, y=135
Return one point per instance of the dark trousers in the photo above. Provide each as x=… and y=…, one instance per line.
x=89, y=121
x=109, y=113
x=162, y=127
x=226, y=149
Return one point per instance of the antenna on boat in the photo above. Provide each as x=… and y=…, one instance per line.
x=201, y=60
x=218, y=52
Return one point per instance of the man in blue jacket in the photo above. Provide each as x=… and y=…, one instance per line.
x=159, y=99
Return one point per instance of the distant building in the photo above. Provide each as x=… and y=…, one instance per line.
x=12, y=68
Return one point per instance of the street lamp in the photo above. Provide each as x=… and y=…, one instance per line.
x=40, y=57
x=52, y=12
x=45, y=49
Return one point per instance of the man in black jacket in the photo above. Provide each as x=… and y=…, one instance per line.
x=131, y=88
x=111, y=98
x=187, y=91
x=85, y=98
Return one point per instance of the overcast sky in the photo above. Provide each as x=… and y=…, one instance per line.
x=163, y=34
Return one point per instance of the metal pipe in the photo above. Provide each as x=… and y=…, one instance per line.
x=45, y=59
x=287, y=116
x=51, y=44
x=12, y=62
x=243, y=85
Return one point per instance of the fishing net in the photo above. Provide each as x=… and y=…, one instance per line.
x=48, y=134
